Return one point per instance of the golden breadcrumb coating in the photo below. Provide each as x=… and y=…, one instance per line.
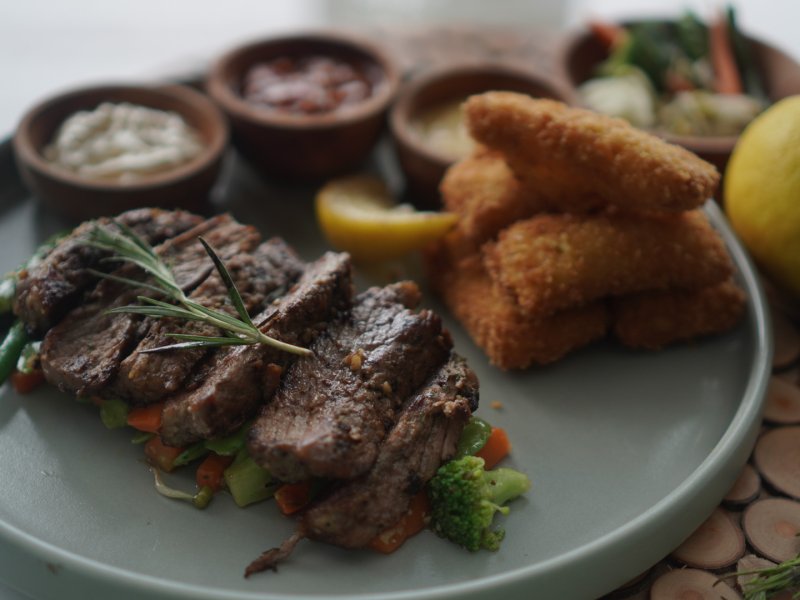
x=554, y=262
x=510, y=340
x=653, y=320
x=575, y=155
x=486, y=195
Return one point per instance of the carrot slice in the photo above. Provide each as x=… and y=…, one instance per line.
x=210, y=472
x=608, y=34
x=25, y=383
x=160, y=455
x=146, y=418
x=291, y=497
x=411, y=523
x=496, y=448
x=726, y=73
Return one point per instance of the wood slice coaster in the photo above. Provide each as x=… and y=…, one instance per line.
x=777, y=457
x=746, y=488
x=716, y=544
x=750, y=562
x=691, y=584
x=783, y=402
x=771, y=526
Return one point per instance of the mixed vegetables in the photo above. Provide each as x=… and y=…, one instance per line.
x=684, y=77
x=458, y=504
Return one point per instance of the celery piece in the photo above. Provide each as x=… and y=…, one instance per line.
x=142, y=437
x=114, y=413
x=247, y=482
x=230, y=445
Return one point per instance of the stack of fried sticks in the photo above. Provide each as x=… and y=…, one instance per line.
x=573, y=225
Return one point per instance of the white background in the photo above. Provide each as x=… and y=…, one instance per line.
x=46, y=46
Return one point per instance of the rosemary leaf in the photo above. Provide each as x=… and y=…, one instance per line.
x=126, y=246
x=236, y=298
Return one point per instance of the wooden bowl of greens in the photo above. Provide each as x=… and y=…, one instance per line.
x=695, y=82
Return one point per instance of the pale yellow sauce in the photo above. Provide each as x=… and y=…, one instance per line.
x=441, y=127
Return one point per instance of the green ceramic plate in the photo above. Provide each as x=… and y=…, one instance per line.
x=628, y=453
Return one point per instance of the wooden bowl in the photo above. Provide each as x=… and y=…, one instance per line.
x=424, y=166
x=312, y=145
x=780, y=73
x=77, y=198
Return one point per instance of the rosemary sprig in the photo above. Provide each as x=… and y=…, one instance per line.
x=125, y=245
x=771, y=581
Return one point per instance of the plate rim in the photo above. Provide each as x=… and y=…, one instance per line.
x=717, y=471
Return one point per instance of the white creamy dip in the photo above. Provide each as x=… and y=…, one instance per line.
x=122, y=142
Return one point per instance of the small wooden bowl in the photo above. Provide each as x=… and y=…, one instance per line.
x=423, y=166
x=304, y=146
x=185, y=186
x=582, y=53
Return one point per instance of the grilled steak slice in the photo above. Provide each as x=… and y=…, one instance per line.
x=425, y=436
x=260, y=278
x=237, y=380
x=333, y=409
x=83, y=352
x=46, y=291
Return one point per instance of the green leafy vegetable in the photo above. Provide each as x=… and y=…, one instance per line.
x=771, y=581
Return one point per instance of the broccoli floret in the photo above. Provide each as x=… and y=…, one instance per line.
x=464, y=498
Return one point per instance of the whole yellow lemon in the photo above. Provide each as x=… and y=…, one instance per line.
x=762, y=191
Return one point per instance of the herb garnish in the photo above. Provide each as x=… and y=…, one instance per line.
x=127, y=246
x=771, y=581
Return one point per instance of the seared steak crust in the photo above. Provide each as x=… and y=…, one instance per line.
x=260, y=277
x=83, y=352
x=334, y=409
x=235, y=381
x=46, y=291
x=425, y=436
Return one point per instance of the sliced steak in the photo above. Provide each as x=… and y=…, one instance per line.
x=425, y=436
x=83, y=352
x=229, y=389
x=334, y=409
x=260, y=278
x=48, y=290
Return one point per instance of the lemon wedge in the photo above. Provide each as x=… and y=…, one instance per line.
x=357, y=215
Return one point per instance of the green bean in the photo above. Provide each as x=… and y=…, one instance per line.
x=10, y=349
x=473, y=438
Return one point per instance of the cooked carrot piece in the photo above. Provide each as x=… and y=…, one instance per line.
x=146, y=418
x=726, y=73
x=412, y=522
x=25, y=383
x=291, y=497
x=210, y=471
x=608, y=34
x=496, y=448
x=160, y=455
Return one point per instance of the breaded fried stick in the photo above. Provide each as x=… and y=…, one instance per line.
x=571, y=153
x=487, y=195
x=510, y=340
x=554, y=262
x=653, y=320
